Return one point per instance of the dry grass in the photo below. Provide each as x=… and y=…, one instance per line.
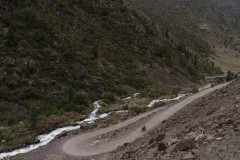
x=227, y=62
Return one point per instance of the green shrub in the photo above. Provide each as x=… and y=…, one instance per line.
x=40, y=39
x=155, y=92
x=11, y=120
x=75, y=108
x=138, y=110
x=33, y=116
x=175, y=91
x=109, y=97
x=194, y=90
x=29, y=17
x=30, y=93
x=81, y=99
x=230, y=76
x=125, y=107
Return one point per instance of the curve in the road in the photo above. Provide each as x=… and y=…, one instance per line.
x=100, y=141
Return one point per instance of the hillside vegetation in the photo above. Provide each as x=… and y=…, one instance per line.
x=214, y=22
x=58, y=56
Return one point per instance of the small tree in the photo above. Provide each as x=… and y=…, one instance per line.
x=230, y=76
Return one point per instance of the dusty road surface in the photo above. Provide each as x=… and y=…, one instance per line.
x=104, y=140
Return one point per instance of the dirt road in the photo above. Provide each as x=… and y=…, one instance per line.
x=108, y=139
x=95, y=143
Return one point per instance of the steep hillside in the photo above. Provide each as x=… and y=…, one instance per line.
x=58, y=56
x=207, y=129
x=216, y=22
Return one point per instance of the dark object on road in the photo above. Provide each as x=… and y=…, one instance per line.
x=144, y=128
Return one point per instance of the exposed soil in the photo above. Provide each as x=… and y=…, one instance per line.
x=126, y=140
x=207, y=129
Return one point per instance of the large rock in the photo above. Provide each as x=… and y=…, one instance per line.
x=2, y=129
x=185, y=144
x=160, y=137
x=188, y=156
x=85, y=125
x=3, y=141
x=210, y=138
x=162, y=146
x=63, y=134
x=173, y=141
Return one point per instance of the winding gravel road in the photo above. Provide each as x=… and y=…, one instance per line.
x=108, y=139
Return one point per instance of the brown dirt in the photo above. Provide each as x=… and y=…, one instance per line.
x=213, y=123
x=118, y=137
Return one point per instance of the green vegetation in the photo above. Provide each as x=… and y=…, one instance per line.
x=214, y=35
x=57, y=57
x=33, y=116
x=230, y=76
x=194, y=90
x=138, y=110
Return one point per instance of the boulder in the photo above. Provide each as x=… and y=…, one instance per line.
x=188, y=156
x=215, y=125
x=36, y=141
x=162, y=146
x=185, y=144
x=85, y=125
x=152, y=141
x=219, y=138
x=3, y=141
x=210, y=138
x=2, y=129
x=125, y=144
x=63, y=134
x=173, y=141
x=160, y=137
x=229, y=121
x=200, y=137
x=74, y=124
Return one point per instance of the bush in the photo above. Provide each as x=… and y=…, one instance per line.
x=109, y=97
x=175, y=91
x=194, y=90
x=125, y=107
x=11, y=120
x=230, y=76
x=30, y=93
x=33, y=116
x=75, y=108
x=81, y=99
x=138, y=110
x=155, y=92
x=29, y=17
x=39, y=39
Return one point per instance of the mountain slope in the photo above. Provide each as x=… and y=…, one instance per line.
x=58, y=56
x=216, y=22
x=205, y=129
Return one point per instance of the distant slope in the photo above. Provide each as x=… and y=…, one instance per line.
x=58, y=56
x=216, y=22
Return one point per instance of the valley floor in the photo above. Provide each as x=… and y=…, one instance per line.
x=115, y=139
